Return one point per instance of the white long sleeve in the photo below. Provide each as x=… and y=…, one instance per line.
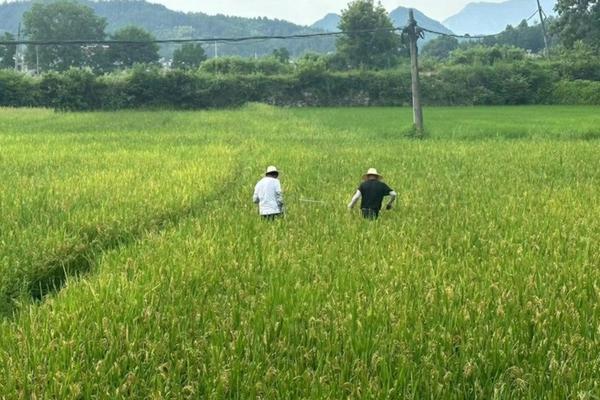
x=355, y=199
x=255, y=197
x=393, y=197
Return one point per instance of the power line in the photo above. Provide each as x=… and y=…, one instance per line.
x=465, y=36
x=543, y=23
x=233, y=40
x=222, y=40
x=469, y=36
x=545, y=15
x=532, y=15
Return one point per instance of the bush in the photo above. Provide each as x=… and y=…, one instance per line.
x=145, y=87
x=577, y=69
x=579, y=63
x=244, y=66
x=486, y=55
x=114, y=91
x=17, y=90
x=311, y=84
x=74, y=89
x=503, y=84
x=577, y=92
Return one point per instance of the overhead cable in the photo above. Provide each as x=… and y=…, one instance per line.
x=220, y=40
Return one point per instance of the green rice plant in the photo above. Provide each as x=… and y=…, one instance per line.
x=482, y=283
x=64, y=197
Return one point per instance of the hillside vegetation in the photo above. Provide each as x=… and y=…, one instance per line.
x=169, y=24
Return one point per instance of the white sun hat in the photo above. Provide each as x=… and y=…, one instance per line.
x=271, y=169
x=373, y=171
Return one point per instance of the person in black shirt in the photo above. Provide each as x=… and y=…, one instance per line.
x=372, y=191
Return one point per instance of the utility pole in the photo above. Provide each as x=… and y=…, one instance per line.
x=17, y=50
x=216, y=50
x=543, y=22
x=414, y=35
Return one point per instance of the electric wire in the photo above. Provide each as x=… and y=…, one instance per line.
x=219, y=40
x=242, y=39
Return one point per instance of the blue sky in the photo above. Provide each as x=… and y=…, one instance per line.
x=307, y=11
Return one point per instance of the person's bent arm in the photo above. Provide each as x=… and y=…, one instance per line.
x=255, y=197
x=279, y=196
x=393, y=197
x=355, y=199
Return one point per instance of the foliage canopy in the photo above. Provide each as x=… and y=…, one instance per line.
x=63, y=20
x=578, y=20
x=189, y=56
x=377, y=49
x=7, y=52
x=127, y=55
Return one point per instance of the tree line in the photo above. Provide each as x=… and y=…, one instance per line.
x=504, y=69
x=576, y=25
x=516, y=83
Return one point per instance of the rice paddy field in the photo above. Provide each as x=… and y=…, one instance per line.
x=133, y=264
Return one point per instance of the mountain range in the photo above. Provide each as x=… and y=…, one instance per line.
x=399, y=18
x=486, y=18
x=169, y=24
x=475, y=18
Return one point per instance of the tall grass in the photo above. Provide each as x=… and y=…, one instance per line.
x=483, y=283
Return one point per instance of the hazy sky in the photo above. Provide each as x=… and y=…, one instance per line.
x=307, y=11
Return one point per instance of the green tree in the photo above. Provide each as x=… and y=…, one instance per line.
x=479, y=54
x=189, y=56
x=377, y=49
x=440, y=47
x=245, y=66
x=578, y=20
x=282, y=55
x=62, y=20
x=523, y=36
x=141, y=50
x=7, y=52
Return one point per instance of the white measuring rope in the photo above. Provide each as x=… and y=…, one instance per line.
x=312, y=201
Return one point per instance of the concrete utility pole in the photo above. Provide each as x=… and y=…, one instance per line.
x=413, y=36
x=17, y=51
x=543, y=22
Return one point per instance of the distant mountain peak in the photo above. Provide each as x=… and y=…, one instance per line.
x=399, y=17
x=328, y=23
x=489, y=18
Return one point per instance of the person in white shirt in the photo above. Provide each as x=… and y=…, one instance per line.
x=269, y=195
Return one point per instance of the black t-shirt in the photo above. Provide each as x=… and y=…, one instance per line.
x=373, y=193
